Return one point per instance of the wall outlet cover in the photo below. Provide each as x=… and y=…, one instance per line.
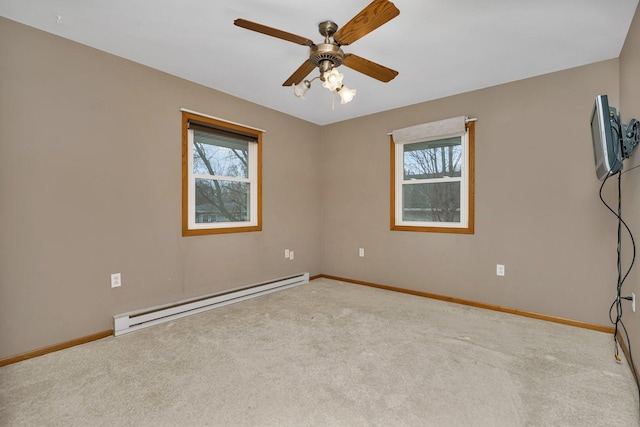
x=116, y=280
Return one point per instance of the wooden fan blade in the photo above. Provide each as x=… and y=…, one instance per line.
x=299, y=75
x=371, y=17
x=273, y=32
x=369, y=68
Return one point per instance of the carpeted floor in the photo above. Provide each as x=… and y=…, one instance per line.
x=330, y=354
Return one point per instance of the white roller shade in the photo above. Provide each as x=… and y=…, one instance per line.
x=429, y=131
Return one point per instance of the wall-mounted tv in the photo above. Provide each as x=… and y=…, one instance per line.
x=606, y=137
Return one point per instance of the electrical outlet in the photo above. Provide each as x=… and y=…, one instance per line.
x=116, y=280
x=286, y=254
x=291, y=255
x=633, y=302
x=499, y=270
x=361, y=252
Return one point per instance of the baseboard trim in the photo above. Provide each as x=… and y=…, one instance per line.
x=55, y=347
x=607, y=329
x=554, y=319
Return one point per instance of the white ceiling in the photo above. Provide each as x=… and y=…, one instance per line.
x=439, y=47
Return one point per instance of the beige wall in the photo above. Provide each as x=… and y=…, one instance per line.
x=630, y=108
x=537, y=207
x=90, y=184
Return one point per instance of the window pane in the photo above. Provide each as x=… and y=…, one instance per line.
x=433, y=202
x=221, y=201
x=433, y=159
x=220, y=155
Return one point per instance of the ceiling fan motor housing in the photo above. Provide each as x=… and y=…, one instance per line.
x=326, y=55
x=323, y=52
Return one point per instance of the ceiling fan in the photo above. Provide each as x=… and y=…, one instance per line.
x=328, y=56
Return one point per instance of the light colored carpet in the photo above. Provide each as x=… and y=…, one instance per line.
x=330, y=354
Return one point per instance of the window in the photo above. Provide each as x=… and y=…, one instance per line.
x=432, y=168
x=221, y=176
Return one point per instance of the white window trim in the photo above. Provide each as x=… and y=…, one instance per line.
x=463, y=179
x=252, y=180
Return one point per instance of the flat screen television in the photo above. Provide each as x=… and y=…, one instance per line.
x=606, y=138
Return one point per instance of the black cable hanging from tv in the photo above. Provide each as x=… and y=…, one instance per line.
x=617, y=302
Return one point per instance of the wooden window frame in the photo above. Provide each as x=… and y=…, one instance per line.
x=469, y=229
x=219, y=228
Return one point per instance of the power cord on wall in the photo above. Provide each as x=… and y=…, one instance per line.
x=617, y=303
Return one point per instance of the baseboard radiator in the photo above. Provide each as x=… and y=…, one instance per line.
x=139, y=319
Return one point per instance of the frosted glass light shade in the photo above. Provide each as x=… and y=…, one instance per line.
x=346, y=94
x=300, y=89
x=332, y=79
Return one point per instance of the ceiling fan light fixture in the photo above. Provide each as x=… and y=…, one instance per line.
x=300, y=89
x=332, y=79
x=346, y=94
